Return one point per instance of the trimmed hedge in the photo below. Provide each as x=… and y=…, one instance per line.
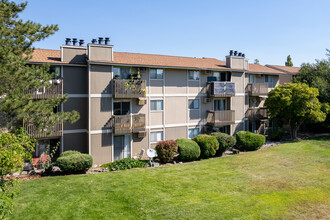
x=166, y=150
x=126, y=163
x=74, y=162
x=225, y=142
x=208, y=145
x=249, y=141
x=188, y=149
x=69, y=152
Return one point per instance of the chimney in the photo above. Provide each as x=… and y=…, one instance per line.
x=236, y=60
x=81, y=42
x=74, y=41
x=100, y=40
x=94, y=41
x=231, y=52
x=67, y=41
x=107, y=41
x=235, y=53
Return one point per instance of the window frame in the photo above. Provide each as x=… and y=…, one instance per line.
x=193, y=71
x=193, y=132
x=157, y=110
x=155, y=132
x=193, y=101
x=156, y=74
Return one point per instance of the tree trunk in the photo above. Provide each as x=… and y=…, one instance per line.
x=294, y=132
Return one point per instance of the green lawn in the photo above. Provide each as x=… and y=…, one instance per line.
x=291, y=181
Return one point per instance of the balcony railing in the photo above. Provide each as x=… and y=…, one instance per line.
x=257, y=89
x=220, y=118
x=123, y=88
x=220, y=89
x=254, y=114
x=126, y=124
x=55, y=131
x=53, y=91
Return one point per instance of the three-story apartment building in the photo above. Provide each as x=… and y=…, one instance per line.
x=130, y=101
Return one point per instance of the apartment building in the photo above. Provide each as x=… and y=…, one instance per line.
x=130, y=101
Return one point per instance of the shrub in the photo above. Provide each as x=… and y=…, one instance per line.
x=75, y=163
x=225, y=142
x=69, y=152
x=188, y=149
x=208, y=145
x=276, y=134
x=249, y=141
x=166, y=150
x=126, y=163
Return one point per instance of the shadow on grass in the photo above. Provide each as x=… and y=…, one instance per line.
x=320, y=138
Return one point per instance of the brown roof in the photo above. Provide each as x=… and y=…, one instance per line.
x=257, y=68
x=54, y=56
x=286, y=69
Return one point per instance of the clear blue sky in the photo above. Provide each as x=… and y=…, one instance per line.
x=263, y=29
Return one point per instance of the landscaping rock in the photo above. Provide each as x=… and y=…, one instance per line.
x=24, y=173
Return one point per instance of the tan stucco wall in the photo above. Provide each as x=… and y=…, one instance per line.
x=156, y=118
x=287, y=78
x=80, y=105
x=100, y=112
x=74, y=54
x=176, y=110
x=175, y=133
x=237, y=104
x=78, y=142
x=193, y=87
x=75, y=80
x=101, y=148
x=175, y=81
x=98, y=52
x=238, y=79
x=100, y=79
x=156, y=86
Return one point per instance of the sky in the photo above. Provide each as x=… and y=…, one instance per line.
x=267, y=30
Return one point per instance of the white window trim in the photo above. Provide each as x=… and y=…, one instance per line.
x=157, y=110
x=154, y=131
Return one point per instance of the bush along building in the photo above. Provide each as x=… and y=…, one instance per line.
x=130, y=101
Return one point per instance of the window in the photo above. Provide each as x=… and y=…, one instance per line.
x=56, y=70
x=222, y=76
x=220, y=105
x=193, y=132
x=156, y=136
x=156, y=105
x=156, y=74
x=269, y=80
x=252, y=78
x=123, y=73
x=193, y=103
x=193, y=75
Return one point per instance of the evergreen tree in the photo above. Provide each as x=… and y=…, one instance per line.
x=16, y=75
x=256, y=61
x=288, y=61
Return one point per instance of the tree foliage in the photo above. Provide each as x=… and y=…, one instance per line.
x=288, y=61
x=296, y=103
x=256, y=61
x=16, y=75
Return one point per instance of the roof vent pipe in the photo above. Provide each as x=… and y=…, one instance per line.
x=239, y=54
x=107, y=41
x=74, y=41
x=67, y=41
x=231, y=53
x=243, y=55
x=81, y=42
x=94, y=41
x=235, y=53
x=100, y=40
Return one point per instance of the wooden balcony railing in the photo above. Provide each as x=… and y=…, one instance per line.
x=220, y=89
x=55, y=131
x=126, y=124
x=53, y=91
x=220, y=118
x=123, y=88
x=257, y=89
x=254, y=114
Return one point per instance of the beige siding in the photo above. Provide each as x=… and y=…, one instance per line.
x=98, y=52
x=287, y=78
x=238, y=79
x=175, y=81
x=101, y=148
x=80, y=105
x=75, y=80
x=156, y=118
x=176, y=110
x=78, y=142
x=193, y=87
x=100, y=79
x=100, y=113
x=175, y=133
x=238, y=105
x=156, y=86
x=138, y=145
x=74, y=54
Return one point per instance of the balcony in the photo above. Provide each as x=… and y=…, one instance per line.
x=126, y=124
x=257, y=89
x=123, y=88
x=220, y=118
x=53, y=91
x=55, y=131
x=256, y=114
x=220, y=89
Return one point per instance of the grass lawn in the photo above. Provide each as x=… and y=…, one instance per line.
x=291, y=181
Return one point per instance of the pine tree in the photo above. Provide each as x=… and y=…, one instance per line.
x=256, y=61
x=17, y=75
x=288, y=61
